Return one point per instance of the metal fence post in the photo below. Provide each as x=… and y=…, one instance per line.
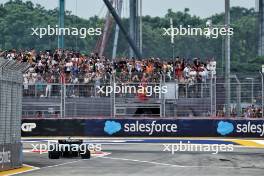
x=61, y=106
x=262, y=94
x=238, y=96
x=211, y=93
x=112, y=98
x=63, y=95
x=163, y=98
x=64, y=100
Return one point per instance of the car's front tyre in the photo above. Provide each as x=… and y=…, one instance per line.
x=86, y=155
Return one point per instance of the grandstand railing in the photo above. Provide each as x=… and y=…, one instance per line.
x=188, y=100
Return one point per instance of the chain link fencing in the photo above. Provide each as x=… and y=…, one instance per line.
x=10, y=113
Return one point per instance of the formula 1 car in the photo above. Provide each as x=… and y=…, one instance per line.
x=69, y=148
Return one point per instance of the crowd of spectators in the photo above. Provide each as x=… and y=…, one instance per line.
x=253, y=112
x=54, y=67
x=48, y=67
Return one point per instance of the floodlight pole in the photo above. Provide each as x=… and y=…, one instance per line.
x=140, y=27
x=227, y=57
x=61, y=23
x=260, y=12
x=133, y=25
x=262, y=93
x=119, y=4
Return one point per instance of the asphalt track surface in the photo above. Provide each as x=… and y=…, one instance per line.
x=140, y=159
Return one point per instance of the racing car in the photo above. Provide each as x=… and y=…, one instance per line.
x=69, y=148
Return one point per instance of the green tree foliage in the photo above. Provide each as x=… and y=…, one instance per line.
x=18, y=17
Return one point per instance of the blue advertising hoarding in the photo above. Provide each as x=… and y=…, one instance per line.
x=143, y=127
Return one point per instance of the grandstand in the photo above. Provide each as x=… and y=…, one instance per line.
x=67, y=85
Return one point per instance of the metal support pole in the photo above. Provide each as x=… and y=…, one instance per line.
x=211, y=94
x=140, y=27
x=111, y=99
x=64, y=100
x=164, y=100
x=63, y=95
x=252, y=91
x=173, y=51
x=227, y=57
x=215, y=84
x=262, y=94
x=123, y=30
x=61, y=23
x=238, y=95
x=133, y=24
x=163, y=103
x=239, y=99
x=119, y=9
x=172, y=38
x=61, y=105
x=114, y=102
x=223, y=57
x=260, y=10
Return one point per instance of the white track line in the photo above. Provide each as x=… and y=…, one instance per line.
x=172, y=165
x=140, y=161
x=62, y=164
x=259, y=141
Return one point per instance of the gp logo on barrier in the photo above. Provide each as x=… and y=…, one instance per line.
x=28, y=127
x=112, y=127
x=225, y=128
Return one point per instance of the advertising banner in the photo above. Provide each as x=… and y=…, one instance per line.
x=143, y=127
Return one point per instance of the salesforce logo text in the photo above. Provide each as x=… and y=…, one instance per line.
x=250, y=128
x=150, y=128
x=225, y=128
x=112, y=127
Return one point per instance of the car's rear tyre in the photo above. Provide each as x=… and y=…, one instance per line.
x=54, y=155
x=86, y=155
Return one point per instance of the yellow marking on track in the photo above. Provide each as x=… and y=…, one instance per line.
x=248, y=143
x=24, y=168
